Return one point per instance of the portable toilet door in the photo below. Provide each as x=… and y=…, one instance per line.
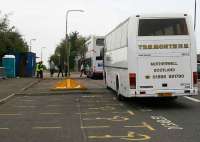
x=30, y=64
x=9, y=65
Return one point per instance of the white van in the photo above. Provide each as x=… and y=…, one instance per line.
x=152, y=56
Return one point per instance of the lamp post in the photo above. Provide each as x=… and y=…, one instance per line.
x=195, y=14
x=33, y=39
x=68, y=52
x=41, y=52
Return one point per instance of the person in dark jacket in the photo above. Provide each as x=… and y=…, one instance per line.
x=41, y=68
x=60, y=70
x=65, y=69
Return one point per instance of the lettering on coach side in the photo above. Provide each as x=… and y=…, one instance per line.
x=163, y=46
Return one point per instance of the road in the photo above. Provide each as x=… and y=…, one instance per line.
x=40, y=115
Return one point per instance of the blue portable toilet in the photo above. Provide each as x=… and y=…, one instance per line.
x=30, y=64
x=17, y=64
x=25, y=64
x=8, y=62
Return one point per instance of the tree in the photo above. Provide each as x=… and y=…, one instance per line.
x=76, y=43
x=11, y=41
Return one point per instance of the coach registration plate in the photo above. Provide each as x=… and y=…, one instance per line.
x=164, y=94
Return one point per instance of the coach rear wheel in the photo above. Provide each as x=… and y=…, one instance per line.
x=119, y=96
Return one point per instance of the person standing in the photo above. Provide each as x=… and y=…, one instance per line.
x=60, y=70
x=82, y=70
x=37, y=70
x=65, y=69
x=52, y=68
x=41, y=68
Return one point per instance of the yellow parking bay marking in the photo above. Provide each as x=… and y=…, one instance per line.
x=131, y=136
x=4, y=129
x=10, y=114
x=94, y=105
x=94, y=127
x=95, y=101
x=103, y=108
x=49, y=113
x=25, y=106
x=114, y=112
x=87, y=113
x=130, y=112
x=114, y=118
x=55, y=105
x=27, y=100
x=144, y=125
x=58, y=127
x=91, y=96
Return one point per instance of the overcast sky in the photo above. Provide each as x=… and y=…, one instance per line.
x=44, y=20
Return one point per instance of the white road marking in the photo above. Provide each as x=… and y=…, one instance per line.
x=192, y=99
x=10, y=96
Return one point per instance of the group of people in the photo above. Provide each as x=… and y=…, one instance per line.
x=40, y=69
x=60, y=69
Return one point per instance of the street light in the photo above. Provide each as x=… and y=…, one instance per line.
x=68, y=53
x=33, y=39
x=41, y=52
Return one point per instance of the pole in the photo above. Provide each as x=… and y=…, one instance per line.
x=33, y=39
x=195, y=14
x=68, y=47
x=68, y=50
x=41, y=52
x=30, y=46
